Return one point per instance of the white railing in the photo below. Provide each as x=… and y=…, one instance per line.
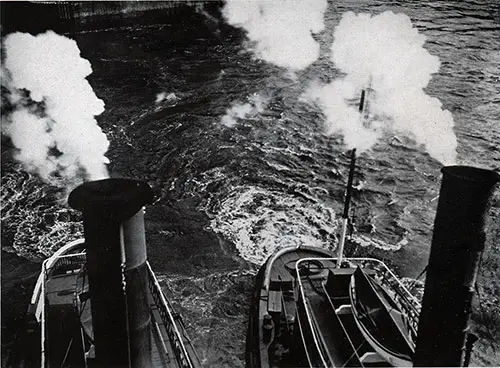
x=41, y=307
x=279, y=253
x=401, y=295
x=76, y=259
x=48, y=264
x=392, y=274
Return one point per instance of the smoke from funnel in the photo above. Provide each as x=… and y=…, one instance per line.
x=52, y=123
x=384, y=52
x=343, y=117
x=280, y=30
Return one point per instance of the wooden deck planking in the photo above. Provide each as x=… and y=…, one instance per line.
x=274, y=301
x=279, y=271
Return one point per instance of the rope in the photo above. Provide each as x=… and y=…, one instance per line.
x=421, y=273
x=414, y=282
x=67, y=353
x=355, y=353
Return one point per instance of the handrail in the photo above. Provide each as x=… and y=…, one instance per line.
x=42, y=314
x=67, y=260
x=410, y=304
x=168, y=320
x=412, y=297
x=359, y=260
x=279, y=253
x=304, y=342
x=48, y=264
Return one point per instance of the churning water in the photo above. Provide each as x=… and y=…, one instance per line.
x=242, y=165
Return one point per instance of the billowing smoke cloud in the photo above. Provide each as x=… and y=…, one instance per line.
x=256, y=104
x=386, y=53
x=280, y=30
x=52, y=122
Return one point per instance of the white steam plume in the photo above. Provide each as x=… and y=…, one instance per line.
x=343, y=117
x=280, y=30
x=386, y=52
x=52, y=122
x=255, y=105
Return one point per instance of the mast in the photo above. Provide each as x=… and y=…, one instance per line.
x=345, y=214
x=362, y=101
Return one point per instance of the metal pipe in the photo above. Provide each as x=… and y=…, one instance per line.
x=136, y=276
x=457, y=244
x=112, y=218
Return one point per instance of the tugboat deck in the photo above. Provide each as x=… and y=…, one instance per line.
x=65, y=318
x=306, y=315
x=67, y=346
x=333, y=321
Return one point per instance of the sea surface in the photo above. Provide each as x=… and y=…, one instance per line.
x=227, y=195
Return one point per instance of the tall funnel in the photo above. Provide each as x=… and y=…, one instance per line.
x=457, y=244
x=115, y=244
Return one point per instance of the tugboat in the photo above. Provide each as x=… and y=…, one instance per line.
x=97, y=302
x=312, y=308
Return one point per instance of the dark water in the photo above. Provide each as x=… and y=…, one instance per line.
x=228, y=196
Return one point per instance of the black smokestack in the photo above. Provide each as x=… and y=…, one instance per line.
x=116, y=265
x=457, y=244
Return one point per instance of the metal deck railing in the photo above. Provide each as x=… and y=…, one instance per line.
x=404, y=299
x=177, y=338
